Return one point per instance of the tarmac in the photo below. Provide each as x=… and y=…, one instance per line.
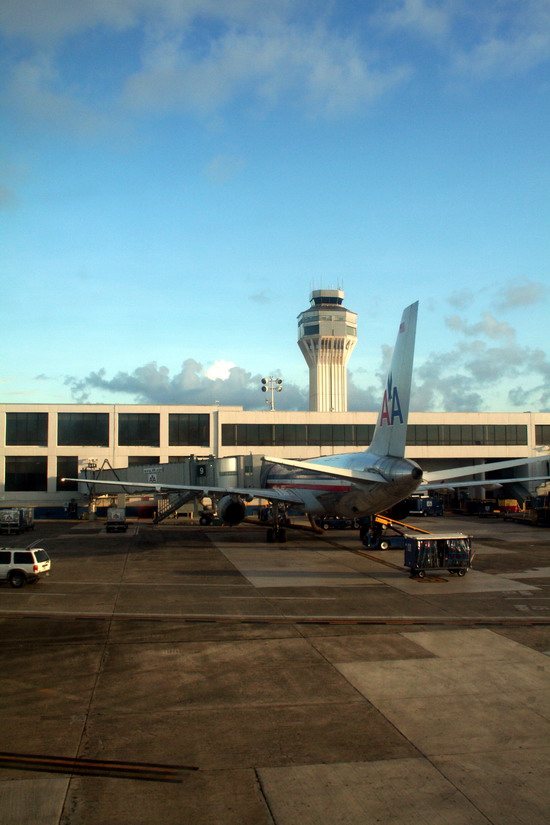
x=185, y=674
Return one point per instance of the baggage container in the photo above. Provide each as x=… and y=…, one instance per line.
x=438, y=551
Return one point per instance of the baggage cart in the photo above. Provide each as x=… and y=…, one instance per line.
x=438, y=551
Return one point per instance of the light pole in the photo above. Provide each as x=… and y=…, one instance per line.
x=273, y=385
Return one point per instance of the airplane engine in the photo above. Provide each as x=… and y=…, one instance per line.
x=231, y=509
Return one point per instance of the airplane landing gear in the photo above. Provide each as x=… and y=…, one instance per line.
x=276, y=534
x=279, y=520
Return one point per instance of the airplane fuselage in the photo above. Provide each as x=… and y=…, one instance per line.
x=351, y=498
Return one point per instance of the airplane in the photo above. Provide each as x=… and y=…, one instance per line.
x=352, y=485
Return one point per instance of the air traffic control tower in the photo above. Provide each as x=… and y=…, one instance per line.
x=327, y=334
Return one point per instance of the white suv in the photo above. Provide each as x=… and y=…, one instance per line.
x=18, y=565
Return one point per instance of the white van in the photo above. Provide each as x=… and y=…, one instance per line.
x=19, y=566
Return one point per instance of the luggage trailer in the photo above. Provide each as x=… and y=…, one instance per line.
x=438, y=551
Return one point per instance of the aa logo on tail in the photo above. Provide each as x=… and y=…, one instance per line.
x=391, y=407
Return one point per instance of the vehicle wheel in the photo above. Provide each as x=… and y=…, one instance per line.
x=270, y=535
x=17, y=579
x=203, y=521
x=281, y=536
x=421, y=574
x=325, y=525
x=461, y=572
x=384, y=544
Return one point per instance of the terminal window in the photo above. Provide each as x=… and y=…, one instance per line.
x=542, y=433
x=467, y=435
x=139, y=429
x=26, y=473
x=297, y=435
x=189, y=430
x=28, y=429
x=83, y=429
x=67, y=465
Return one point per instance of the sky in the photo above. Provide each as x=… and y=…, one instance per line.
x=176, y=176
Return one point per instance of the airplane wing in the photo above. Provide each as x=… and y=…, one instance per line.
x=282, y=494
x=488, y=482
x=475, y=469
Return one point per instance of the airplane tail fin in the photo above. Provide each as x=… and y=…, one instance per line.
x=390, y=434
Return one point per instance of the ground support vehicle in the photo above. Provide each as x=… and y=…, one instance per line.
x=20, y=565
x=425, y=506
x=438, y=551
x=482, y=507
x=336, y=523
x=16, y=519
x=537, y=512
x=487, y=507
x=382, y=533
x=209, y=518
x=116, y=520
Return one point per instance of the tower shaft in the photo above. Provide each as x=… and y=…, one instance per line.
x=327, y=334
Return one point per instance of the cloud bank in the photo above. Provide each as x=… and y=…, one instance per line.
x=487, y=369
x=151, y=384
x=199, y=56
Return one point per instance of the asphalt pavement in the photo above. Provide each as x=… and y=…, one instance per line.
x=183, y=674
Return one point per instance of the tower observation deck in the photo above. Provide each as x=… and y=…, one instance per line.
x=327, y=334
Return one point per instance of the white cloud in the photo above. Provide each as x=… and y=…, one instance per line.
x=220, y=370
x=432, y=19
x=477, y=40
x=195, y=56
x=489, y=327
x=36, y=89
x=224, y=382
x=461, y=298
x=327, y=73
x=523, y=293
x=46, y=22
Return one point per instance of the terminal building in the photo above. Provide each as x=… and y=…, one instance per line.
x=43, y=443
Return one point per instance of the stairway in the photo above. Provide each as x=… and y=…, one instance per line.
x=167, y=506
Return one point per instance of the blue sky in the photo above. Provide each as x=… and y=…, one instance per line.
x=177, y=175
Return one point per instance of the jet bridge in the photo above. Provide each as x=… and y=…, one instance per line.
x=232, y=471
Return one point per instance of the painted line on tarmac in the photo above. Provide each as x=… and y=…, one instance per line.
x=288, y=598
x=479, y=621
